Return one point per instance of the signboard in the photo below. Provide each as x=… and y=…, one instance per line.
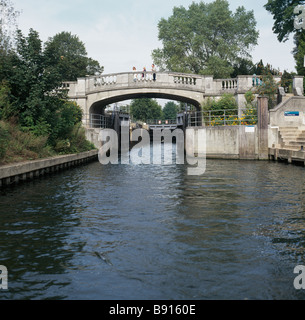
x=250, y=129
x=291, y=113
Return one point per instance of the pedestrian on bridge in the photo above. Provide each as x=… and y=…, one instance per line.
x=144, y=73
x=153, y=69
x=134, y=75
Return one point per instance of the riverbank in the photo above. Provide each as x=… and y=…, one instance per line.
x=28, y=170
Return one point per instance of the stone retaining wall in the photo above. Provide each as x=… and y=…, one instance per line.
x=14, y=173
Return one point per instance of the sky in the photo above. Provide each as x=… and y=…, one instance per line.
x=121, y=34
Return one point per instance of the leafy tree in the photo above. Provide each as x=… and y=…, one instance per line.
x=299, y=52
x=8, y=18
x=226, y=102
x=287, y=81
x=68, y=55
x=31, y=88
x=268, y=88
x=145, y=109
x=205, y=38
x=170, y=110
x=5, y=105
x=31, y=81
x=243, y=67
x=283, y=16
x=260, y=69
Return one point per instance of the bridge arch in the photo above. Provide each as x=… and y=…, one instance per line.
x=98, y=105
x=94, y=93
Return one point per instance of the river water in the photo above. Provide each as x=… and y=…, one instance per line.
x=154, y=232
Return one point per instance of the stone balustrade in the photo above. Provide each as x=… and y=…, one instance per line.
x=199, y=83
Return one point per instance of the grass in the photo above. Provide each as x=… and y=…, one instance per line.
x=19, y=146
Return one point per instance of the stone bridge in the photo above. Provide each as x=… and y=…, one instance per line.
x=94, y=93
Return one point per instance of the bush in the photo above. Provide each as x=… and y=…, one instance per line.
x=3, y=141
x=226, y=102
x=17, y=145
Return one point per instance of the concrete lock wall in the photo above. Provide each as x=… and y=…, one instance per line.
x=14, y=173
x=281, y=115
x=226, y=142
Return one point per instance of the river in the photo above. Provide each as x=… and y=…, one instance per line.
x=154, y=232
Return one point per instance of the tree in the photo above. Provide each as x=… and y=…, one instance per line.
x=31, y=81
x=31, y=85
x=170, y=110
x=299, y=52
x=205, y=38
x=268, y=88
x=260, y=68
x=68, y=55
x=243, y=67
x=8, y=25
x=283, y=16
x=145, y=109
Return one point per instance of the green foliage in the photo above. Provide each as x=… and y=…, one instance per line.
x=5, y=105
x=68, y=115
x=28, y=93
x=68, y=56
x=8, y=17
x=170, y=110
x=287, y=81
x=260, y=69
x=3, y=140
x=299, y=51
x=205, y=38
x=268, y=88
x=226, y=102
x=145, y=109
x=17, y=145
x=242, y=67
x=250, y=97
x=283, y=16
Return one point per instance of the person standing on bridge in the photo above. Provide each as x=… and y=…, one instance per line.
x=144, y=73
x=134, y=74
x=153, y=69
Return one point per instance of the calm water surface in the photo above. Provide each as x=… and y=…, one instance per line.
x=153, y=232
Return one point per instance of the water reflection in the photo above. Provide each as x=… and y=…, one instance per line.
x=153, y=232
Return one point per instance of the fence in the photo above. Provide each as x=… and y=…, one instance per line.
x=225, y=117
x=160, y=122
x=93, y=120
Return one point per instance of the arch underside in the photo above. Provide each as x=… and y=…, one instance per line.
x=98, y=107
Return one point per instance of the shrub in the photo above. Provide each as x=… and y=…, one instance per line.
x=3, y=141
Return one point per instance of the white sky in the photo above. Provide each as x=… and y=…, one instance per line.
x=123, y=33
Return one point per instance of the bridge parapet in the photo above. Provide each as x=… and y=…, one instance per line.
x=204, y=84
x=142, y=79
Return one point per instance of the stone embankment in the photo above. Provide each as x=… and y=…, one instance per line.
x=14, y=173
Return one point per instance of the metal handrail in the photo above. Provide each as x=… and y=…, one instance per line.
x=159, y=121
x=93, y=120
x=246, y=116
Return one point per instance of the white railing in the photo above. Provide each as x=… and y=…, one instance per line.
x=225, y=117
x=229, y=84
x=199, y=83
x=185, y=79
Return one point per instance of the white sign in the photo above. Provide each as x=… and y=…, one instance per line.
x=250, y=129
